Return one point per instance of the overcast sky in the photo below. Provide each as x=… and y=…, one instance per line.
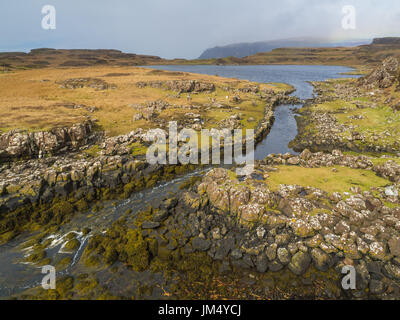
x=184, y=28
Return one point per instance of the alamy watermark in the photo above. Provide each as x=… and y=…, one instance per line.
x=349, y=280
x=185, y=147
x=349, y=17
x=49, y=280
x=49, y=18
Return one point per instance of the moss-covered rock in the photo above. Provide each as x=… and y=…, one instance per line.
x=72, y=245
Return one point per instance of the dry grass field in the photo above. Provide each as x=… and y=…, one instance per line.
x=34, y=100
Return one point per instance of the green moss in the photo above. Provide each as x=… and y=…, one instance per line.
x=72, y=245
x=121, y=243
x=64, y=285
x=138, y=256
x=391, y=205
x=97, y=207
x=325, y=179
x=232, y=175
x=64, y=263
x=132, y=186
x=36, y=257
x=110, y=255
x=137, y=149
x=86, y=231
x=190, y=182
x=92, y=261
x=81, y=205
x=379, y=161
x=61, y=210
x=84, y=287
x=8, y=236
x=67, y=288
x=93, y=151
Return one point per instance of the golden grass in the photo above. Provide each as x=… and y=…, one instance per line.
x=29, y=99
x=325, y=179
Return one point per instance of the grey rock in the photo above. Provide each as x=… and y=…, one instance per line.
x=262, y=263
x=275, y=266
x=225, y=267
x=150, y=225
x=283, y=256
x=376, y=287
x=393, y=271
x=271, y=251
x=394, y=246
x=236, y=254
x=245, y=262
x=160, y=215
x=225, y=246
x=391, y=191
x=200, y=244
x=300, y=263
x=322, y=260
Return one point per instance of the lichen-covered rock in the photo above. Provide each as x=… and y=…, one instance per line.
x=271, y=251
x=390, y=170
x=302, y=228
x=182, y=86
x=322, y=260
x=94, y=83
x=251, y=212
x=300, y=263
x=377, y=250
x=283, y=256
x=22, y=144
x=394, y=246
x=262, y=263
x=383, y=76
x=201, y=244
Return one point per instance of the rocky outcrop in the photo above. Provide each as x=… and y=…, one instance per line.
x=383, y=76
x=179, y=86
x=389, y=170
x=336, y=118
x=28, y=190
x=22, y=144
x=93, y=83
x=149, y=110
x=245, y=224
x=183, y=86
x=328, y=134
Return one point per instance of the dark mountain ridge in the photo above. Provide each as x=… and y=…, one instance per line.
x=240, y=50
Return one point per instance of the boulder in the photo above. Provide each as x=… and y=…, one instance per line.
x=322, y=260
x=300, y=263
x=201, y=244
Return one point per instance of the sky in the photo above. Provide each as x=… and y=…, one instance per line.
x=185, y=28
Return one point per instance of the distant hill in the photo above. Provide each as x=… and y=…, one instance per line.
x=301, y=52
x=394, y=41
x=240, y=50
x=47, y=57
x=369, y=54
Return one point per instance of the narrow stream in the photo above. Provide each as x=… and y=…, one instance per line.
x=15, y=277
